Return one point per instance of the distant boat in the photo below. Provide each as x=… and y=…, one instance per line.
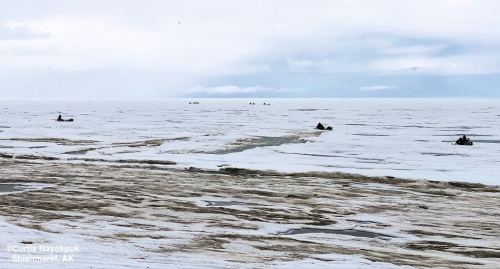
x=464, y=141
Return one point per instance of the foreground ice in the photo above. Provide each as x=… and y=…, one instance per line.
x=154, y=184
x=93, y=253
x=128, y=216
x=398, y=137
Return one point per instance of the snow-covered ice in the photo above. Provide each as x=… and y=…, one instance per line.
x=397, y=137
x=154, y=184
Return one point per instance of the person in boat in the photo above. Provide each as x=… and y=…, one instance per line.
x=464, y=140
x=320, y=126
x=61, y=119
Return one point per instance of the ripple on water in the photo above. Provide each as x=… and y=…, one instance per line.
x=487, y=141
x=371, y=134
x=349, y=232
x=460, y=134
x=440, y=154
x=229, y=203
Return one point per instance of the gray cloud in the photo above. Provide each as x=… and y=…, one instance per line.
x=20, y=33
x=306, y=49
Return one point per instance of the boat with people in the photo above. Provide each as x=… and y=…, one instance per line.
x=322, y=127
x=61, y=119
x=464, y=141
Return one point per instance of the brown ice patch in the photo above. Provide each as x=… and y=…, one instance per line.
x=136, y=144
x=58, y=141
x=149, y=143
x=125, y=161
x=27, y=157
x=249, y=143
x=81, y=151
x=168, y=207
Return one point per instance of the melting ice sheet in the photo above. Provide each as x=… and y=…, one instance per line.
x=6, y=188
x=115, y=254
x=397, y=137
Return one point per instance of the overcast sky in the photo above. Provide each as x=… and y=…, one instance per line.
x=270, y=48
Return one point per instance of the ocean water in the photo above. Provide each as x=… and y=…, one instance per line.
x=410, y=138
